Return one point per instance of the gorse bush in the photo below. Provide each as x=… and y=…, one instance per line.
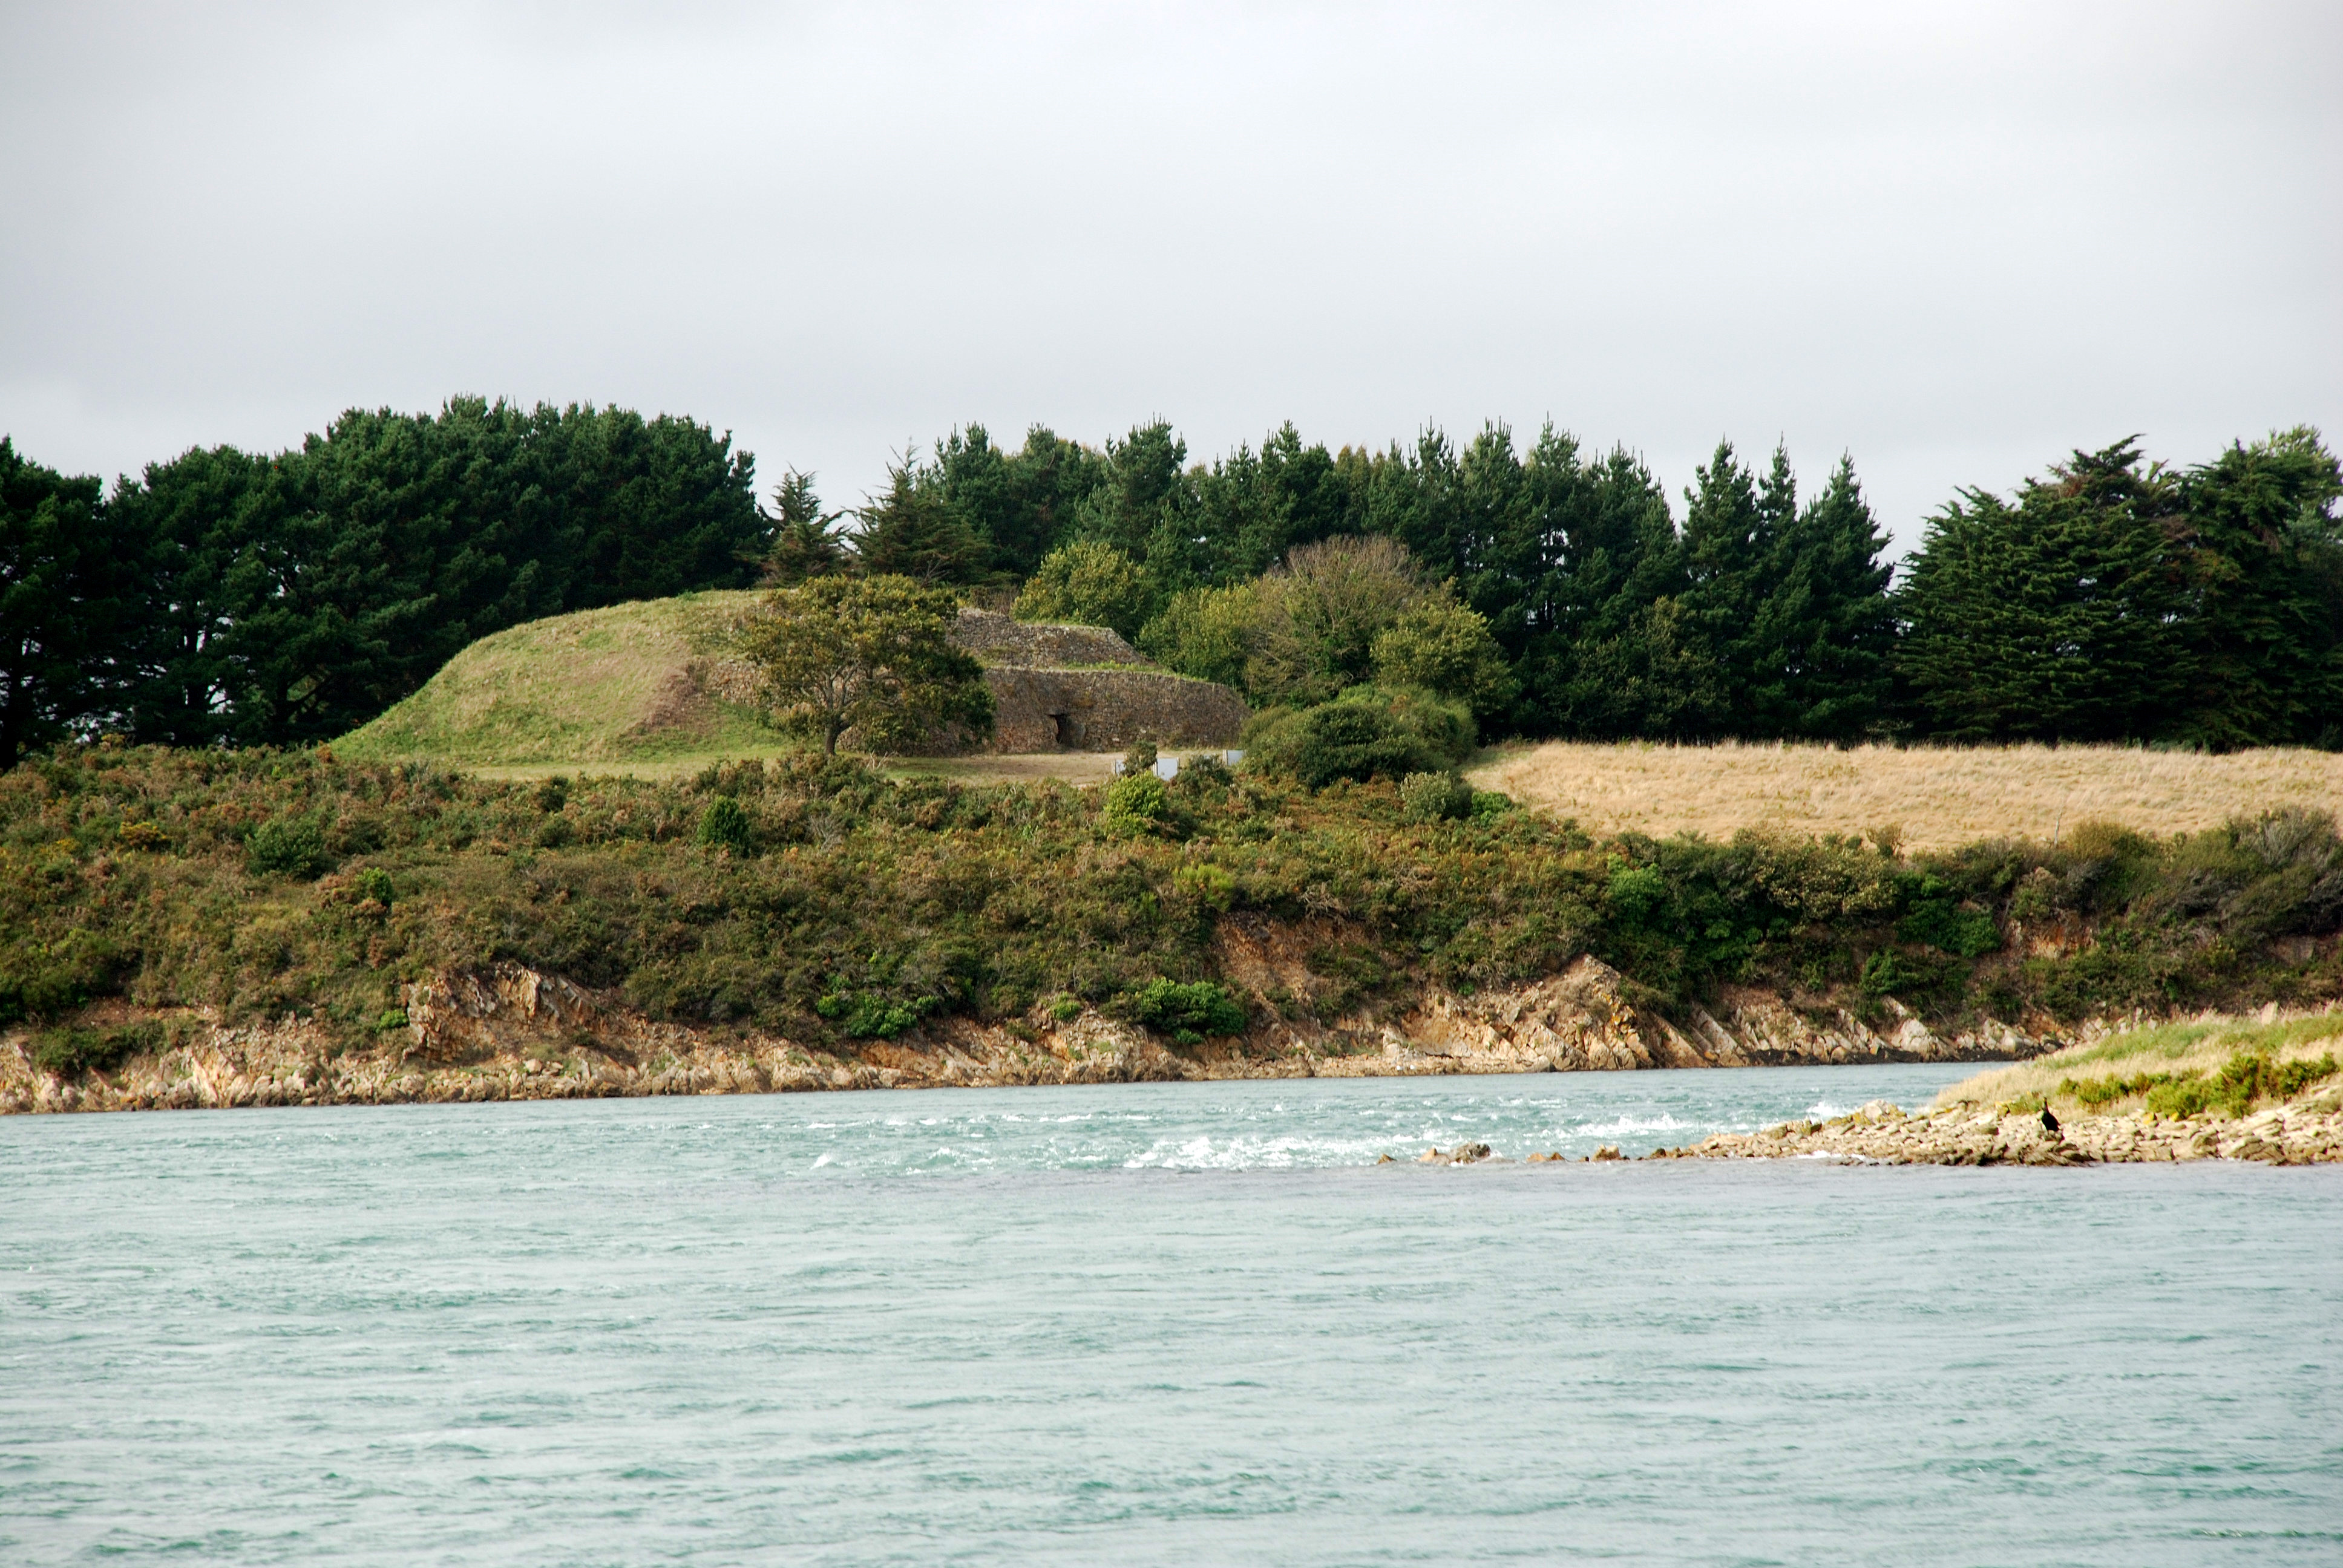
x=1434, y=796
x=1367, y=732
x=858, y=908
x=1188, y=1012
x=68, y=1053
x=1137, y=803
x=725, y=826
x=287, y=847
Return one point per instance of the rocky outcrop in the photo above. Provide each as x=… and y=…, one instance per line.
x=2299, y=1133
x=514, y=1033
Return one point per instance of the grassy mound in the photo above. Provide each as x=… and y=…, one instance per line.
x=620, y=688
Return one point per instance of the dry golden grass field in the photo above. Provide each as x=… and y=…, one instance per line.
x=1936, y=797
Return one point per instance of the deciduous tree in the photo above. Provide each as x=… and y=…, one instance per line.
x=871, y=654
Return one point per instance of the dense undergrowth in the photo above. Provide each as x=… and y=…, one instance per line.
x=821, y=900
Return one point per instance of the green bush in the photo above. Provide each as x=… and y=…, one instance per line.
x=861, y=1016
x=287, y=847
x=67, y=1053
x=1441, y=646
x=1488, y=805
x=1210, y=886
x=1088, y=582
x=725, y=826
x=43, y=978
x=1187, y=1012
x=1435, y=797
x=1940, y=924
x=374, y=883
x=1367, y=732
x=1137, y=803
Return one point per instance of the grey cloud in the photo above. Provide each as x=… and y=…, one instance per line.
x=1955, y=241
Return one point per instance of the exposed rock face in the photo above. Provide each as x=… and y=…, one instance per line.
x=2291, y=1134
x=513, y=1033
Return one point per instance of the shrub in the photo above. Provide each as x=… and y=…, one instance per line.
x=1088, y=583
x=1202, y=632
x=1636, y=892
x=1187, y=1012
x=41, y=980
x=2245, y=1077
x=1435, y=797
x=69, y=1052
x=725, y=826
x=861, y=1016
x=1488, y=805
x=287, y=847
x=1141, y=757
x=1368, y=732
x=1137, y=803
x=374, y=883
x=1210, y=886
x=1441, y=646
x=1940, y=924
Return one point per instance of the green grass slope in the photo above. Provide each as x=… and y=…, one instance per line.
x=621, y=690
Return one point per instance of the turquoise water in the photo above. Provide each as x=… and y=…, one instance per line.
x=1148, y=1323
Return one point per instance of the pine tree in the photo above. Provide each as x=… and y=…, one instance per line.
x=1823, y=628
x=914, y=531
x=61, y=603
x=807, y=542
x=2059, y=617
x=2266, y=563
x=1729, y=546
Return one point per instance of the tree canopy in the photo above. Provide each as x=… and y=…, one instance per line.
x=871, y=654
x=235, y=598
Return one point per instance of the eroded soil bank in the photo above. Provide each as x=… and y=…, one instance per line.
x=514, y=1033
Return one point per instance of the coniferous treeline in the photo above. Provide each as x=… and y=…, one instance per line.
x=228, y=598
x=2111, y=599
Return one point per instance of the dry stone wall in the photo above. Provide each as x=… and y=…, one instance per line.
x=1108, y=709
x=998, y=640
x=1083, y=689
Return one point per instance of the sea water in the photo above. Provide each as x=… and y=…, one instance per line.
x=1148, y=1323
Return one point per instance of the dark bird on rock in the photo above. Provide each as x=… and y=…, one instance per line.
x=2049, y=1123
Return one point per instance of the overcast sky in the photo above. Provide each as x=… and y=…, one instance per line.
x=1955, y=241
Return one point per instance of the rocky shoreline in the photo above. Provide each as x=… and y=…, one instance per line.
x=2301, y=1133
x=514, y=1033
